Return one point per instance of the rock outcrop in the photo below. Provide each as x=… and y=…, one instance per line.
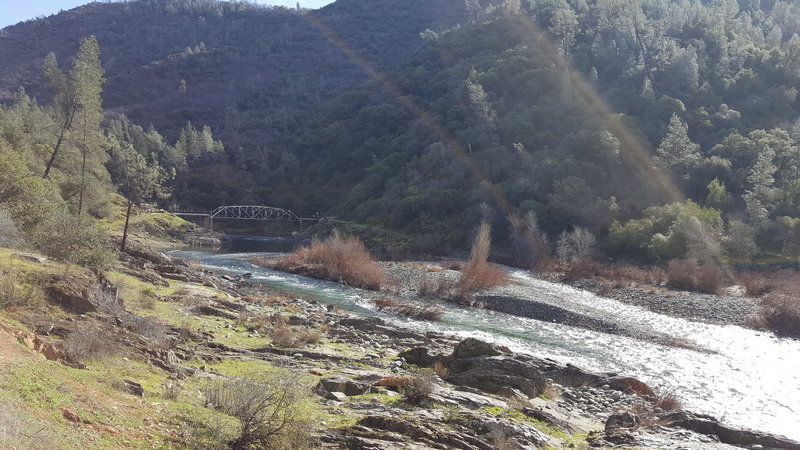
x=83, y=293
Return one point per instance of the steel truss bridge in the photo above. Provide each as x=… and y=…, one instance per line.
x=248, y=212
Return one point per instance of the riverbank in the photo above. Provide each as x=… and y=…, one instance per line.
x=731, y=365
x=132, y=354
x=523, y=297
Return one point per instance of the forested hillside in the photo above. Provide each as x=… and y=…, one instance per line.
x=665, y=128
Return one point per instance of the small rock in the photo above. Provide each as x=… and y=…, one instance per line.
x=133, y=387
x=338, y=396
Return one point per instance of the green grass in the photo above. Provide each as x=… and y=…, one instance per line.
x=159, y=225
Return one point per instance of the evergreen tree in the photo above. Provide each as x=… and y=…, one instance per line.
x=135, y=178
x=761, y=178
x=677, y=153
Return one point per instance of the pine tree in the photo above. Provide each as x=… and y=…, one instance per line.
x=87, y=81
x=677, y=153
x=761, y=178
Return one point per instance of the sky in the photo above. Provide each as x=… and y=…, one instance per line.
x=14, y=11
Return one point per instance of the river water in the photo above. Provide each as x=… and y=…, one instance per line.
x=746, y=378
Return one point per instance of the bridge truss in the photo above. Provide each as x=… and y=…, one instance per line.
x=248, y=212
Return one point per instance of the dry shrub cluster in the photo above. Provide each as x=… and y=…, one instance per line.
x=288, y=338
x=171, y=390
x=582, y=269
x=440, y=369
x=618, y=275
x=667, y=400
x=258, y=322
x=344, y=260
x=425, y=286
x=478, y=273
x=756, y=284
x=146, y=299
x=690, y=275
x=417, y=390
x=269, y=410
x=416, y=311
x=781, y=303
x=17, y=430
x=14, y=292
x=91, y=343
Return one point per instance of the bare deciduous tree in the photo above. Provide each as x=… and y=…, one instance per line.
x=575, y=245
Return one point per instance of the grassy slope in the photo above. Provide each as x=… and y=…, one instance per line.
x=47, y=404
x=38, y=395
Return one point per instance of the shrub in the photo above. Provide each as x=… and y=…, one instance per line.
x=478, y=273
x=152, y=329
x=344, y=260
x=14, y=292
x=667, y=400
x=581, y=269
x=288, y=338
x=422, y=312
x=146, y=299
x=709, y=279
x=18, y=429
x=171, y=390
x=268, y=410
x=781, y=307
x=257, y=322
x=74, y=239
x=417, y=390
x=689, y=275
x=425, y=286
x=440, y=369
x=681, y=273
x=755, y=284
x=91, y=343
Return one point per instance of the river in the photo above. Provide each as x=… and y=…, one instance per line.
x=746, y=378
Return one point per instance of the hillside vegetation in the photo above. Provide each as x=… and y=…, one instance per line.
x=665, y=129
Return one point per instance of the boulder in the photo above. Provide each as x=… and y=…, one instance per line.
x=629, y=385
x=83, y=293
x=341, y=384
x=710, y=426
x=205, y=310
x=472, y=348
x=422, y=433
x=418, y=356
x=519, y=435
x=621, y=421
x=496, y=374
x=133, y=388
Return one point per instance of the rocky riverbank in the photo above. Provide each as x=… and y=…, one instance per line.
x=522, y=298
x=148, y=336
x=477, y=395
